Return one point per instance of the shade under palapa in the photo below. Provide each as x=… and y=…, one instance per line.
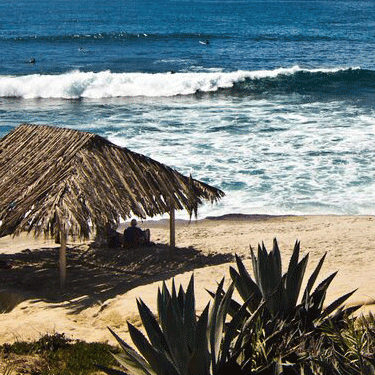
x=56, y=179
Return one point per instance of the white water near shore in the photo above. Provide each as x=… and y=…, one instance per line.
x=268, y=157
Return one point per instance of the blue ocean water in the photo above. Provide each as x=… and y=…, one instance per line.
x=270, y=101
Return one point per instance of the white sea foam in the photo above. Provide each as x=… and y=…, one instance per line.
x=76, y=84
x=266, y=156
x=273, y=155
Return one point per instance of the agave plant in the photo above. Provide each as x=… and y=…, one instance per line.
x=289, y=322
x=180, y=343
x=280, y=292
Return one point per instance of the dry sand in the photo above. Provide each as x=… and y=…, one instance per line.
x=103, y=284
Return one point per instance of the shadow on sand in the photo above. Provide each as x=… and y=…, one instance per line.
x=93, y=273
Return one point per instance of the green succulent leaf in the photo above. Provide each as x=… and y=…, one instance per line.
x=245, y=285
x=241, y=268
x=268, y=271
x=189, y=314
x=132, y=355
x=294, y=258
x=275, y=258
x=199, y=363
x=181, y=298
x=233, y=330
x=132, y=365
x=346, y=312
x=234, y=305
x=213, y=321
x=313, y=277
x=158, y=361
x=318, y=296
x=251, y=320
x=293, y=283
x=175, y=336
x=153, y=330
x=162, y=301
x=220, y=321
x=326, y=282
x=254, y=261
x=175, y=301
x=336, y=304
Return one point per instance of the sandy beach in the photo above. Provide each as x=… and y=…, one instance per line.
x=103, y=284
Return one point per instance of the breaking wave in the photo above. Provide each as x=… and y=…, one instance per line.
x=105, y=84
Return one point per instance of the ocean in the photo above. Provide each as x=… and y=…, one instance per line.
x=270, y=101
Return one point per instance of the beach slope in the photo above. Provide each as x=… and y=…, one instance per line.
x=103, y=284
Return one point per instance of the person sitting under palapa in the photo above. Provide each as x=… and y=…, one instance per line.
x=113, y=238
x=135, y=237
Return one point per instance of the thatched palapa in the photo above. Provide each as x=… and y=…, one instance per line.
x=54, y=179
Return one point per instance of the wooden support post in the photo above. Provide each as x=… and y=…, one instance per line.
x=62, y=260
x=172, y=231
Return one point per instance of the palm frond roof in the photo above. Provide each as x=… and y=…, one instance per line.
x=55, y=178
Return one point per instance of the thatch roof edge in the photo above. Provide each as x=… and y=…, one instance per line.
x=52, y=176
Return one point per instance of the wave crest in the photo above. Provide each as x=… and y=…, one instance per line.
x=77, y=85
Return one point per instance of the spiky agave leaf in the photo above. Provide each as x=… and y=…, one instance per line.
x=317, y=298
x=269, y=277
x=233, y=307
x=213, y=322
x=217, y=331
x=153, y=330
x=189, y=314
x=311, y=311
x=199, y=362
x=175, y=301
x=132, y=360
x=130, y=365
x=336, y=304
x=280, y=294
x=267, y=280
x=233, y=334
x=163, y=298
x=293, y=279
x=275, y=258
x=245, y=285
x=313, y=277
x=159, y=361
x=177, y=320
x=175, y=335
x=179, y=344
x=295, y=256
x=342, y=313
